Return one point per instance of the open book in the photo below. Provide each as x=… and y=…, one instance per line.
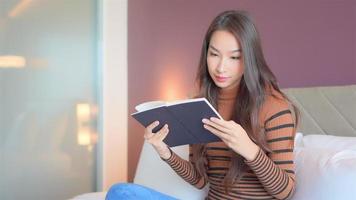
x=183, y=118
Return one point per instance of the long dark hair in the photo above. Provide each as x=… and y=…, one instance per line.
x=252, y=88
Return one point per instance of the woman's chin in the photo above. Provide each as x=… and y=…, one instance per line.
x=225, y=85
x=222, y=85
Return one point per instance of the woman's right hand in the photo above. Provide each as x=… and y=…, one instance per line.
x=156, y=139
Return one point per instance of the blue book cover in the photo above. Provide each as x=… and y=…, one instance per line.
x=183, y=118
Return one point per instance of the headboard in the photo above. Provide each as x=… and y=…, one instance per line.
x=326, y=110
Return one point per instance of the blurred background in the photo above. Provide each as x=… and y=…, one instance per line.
x=72, y=71
x=48, y=98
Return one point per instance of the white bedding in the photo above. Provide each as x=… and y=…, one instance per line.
x=91, y=196
x=325, y=167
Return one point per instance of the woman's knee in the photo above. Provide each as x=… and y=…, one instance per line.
x=120, y=190
x=130, y=191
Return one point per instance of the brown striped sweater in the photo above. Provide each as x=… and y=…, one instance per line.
x=270, y=176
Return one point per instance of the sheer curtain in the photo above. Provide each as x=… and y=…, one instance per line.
x=48, y=98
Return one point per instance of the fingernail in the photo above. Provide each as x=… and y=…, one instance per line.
x=157, y=122
x=204, y=120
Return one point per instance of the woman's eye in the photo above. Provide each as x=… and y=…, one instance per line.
x=213, y=54
x=236, y=57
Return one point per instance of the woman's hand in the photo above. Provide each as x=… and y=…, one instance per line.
x=156, y=139
x=233, y=135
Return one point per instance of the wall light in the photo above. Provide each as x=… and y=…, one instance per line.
x=10, y=61
x=83, y=112
x=86, y=135
x=171, y=85
x=83, y=136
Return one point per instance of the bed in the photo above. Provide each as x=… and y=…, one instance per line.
x=326, y=110
x=325, y=149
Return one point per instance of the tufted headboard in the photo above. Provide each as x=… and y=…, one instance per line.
x=326, y=110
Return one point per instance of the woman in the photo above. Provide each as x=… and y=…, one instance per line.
x=255, y=158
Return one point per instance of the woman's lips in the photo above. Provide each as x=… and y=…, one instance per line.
x=221, y=78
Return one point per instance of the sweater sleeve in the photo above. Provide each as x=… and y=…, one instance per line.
x=186, y=169
x=275, y=170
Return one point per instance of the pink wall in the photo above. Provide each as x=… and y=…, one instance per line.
x=306, y=43
x=353, y=23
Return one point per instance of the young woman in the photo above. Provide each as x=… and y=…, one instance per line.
x=255, y=158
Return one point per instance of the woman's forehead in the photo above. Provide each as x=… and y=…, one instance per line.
x=224, y=41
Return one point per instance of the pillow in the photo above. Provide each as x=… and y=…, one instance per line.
x=325, y=167
x=298, y=140
x=153, y=172
x=329, y=142
x=325, y=173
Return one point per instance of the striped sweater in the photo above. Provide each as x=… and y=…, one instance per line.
x=269, y=175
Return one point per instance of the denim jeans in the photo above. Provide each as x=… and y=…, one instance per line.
x=130, y=191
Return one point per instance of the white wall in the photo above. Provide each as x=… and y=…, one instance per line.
x=115, y=95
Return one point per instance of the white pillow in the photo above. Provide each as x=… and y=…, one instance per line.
x=325, y=167
x=325, y=174
x=153, y=172
x=329, y=142
x=298, y=140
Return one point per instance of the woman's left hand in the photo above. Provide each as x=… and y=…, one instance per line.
x=233, y=135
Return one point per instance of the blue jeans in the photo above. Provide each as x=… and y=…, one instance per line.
x=130, y=191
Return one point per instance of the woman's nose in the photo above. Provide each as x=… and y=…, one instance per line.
x=221, y=67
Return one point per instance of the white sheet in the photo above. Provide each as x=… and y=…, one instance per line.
x=90, y=196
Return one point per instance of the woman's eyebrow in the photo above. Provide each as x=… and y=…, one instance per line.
x=237, y=50
x=215, y=49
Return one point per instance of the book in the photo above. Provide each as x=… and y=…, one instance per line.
x=184, y=119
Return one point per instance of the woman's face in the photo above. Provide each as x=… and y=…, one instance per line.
x=224, y=59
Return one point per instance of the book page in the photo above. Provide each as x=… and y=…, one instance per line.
x=149, y=105
x=184, y=101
